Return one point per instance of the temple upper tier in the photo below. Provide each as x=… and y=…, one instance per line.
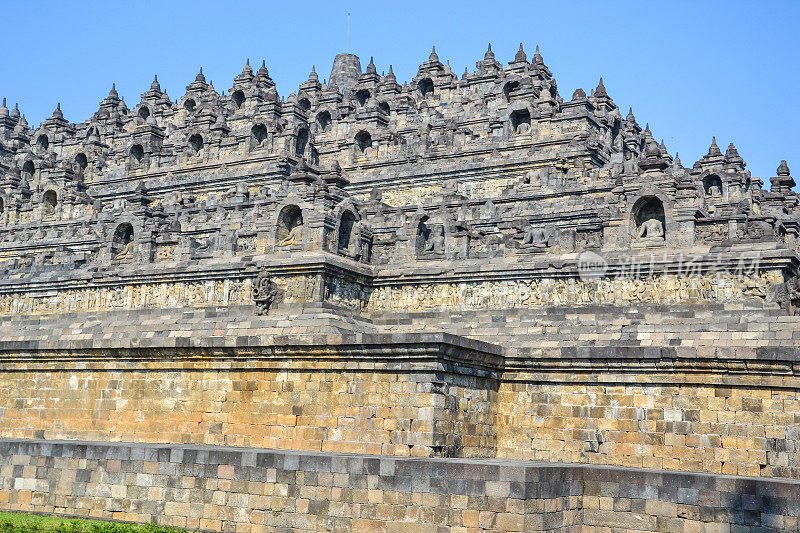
x=492, y=166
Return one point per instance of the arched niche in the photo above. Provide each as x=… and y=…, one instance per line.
x=363, y=141
x=43, y=142
x=81, y=161
x=190, y=105
x=324, y=120
x=258, y=135
x=144, y=112
x=384, y=106
x=289, y=231
x=301, y=142
x=49, y=202
x=238, y=98
x=28, y=170
x=425, y=87
x=648, y=220
x=509, y=88
x=137, y=153
x=430, y=238
x=346, y=236
x=521, y=121
x=712, y=186
x=122, y=241
x=304, y=104
x=195, y=143
x=362, y=97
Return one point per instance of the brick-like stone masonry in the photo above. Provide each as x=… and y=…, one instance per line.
x=253, y=490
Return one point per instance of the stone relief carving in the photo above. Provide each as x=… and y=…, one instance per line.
x=265, y=293
x=666, y=289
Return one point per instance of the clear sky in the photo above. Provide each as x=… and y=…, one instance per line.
x=690, y=69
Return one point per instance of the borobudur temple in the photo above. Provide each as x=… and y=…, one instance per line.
x=461, y=303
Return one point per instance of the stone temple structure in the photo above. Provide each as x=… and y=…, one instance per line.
x=461, y=303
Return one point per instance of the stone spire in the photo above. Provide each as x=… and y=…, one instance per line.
x=312, y=76
x=713, y=150
x=600, y=91
x=200, y=78
x=489, y=55
x=489, y=65
x=22, y=126
x=783, y=182
x=3, y=109
x=155, y=86
x=112, y=94
x=732, y=156
x=262, y=76
x=15, y=111
x=371, y=67
x=520, y=55
x=390, y=77
x=434, y=56
x=57, y=114
x=537, y=57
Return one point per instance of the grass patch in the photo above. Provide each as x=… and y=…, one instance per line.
x=32, y=523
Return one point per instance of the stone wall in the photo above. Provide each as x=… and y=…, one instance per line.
x=443, y=398
x=698, y=427
x=312, y=408
x=234, y=489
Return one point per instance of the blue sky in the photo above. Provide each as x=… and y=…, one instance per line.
x=690, y=69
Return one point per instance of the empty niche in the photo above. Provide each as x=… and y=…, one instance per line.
x=362, y=97
x=346, y=231
x=81, y=161
x=238, y=99
x=195, y=143
x=425, y=86
x=363, y=141
x=137, y=153
x=509, y=88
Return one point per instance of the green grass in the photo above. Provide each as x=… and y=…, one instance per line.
x=31, y=523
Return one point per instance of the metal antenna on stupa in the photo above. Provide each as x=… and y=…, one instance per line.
x=347, y=38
